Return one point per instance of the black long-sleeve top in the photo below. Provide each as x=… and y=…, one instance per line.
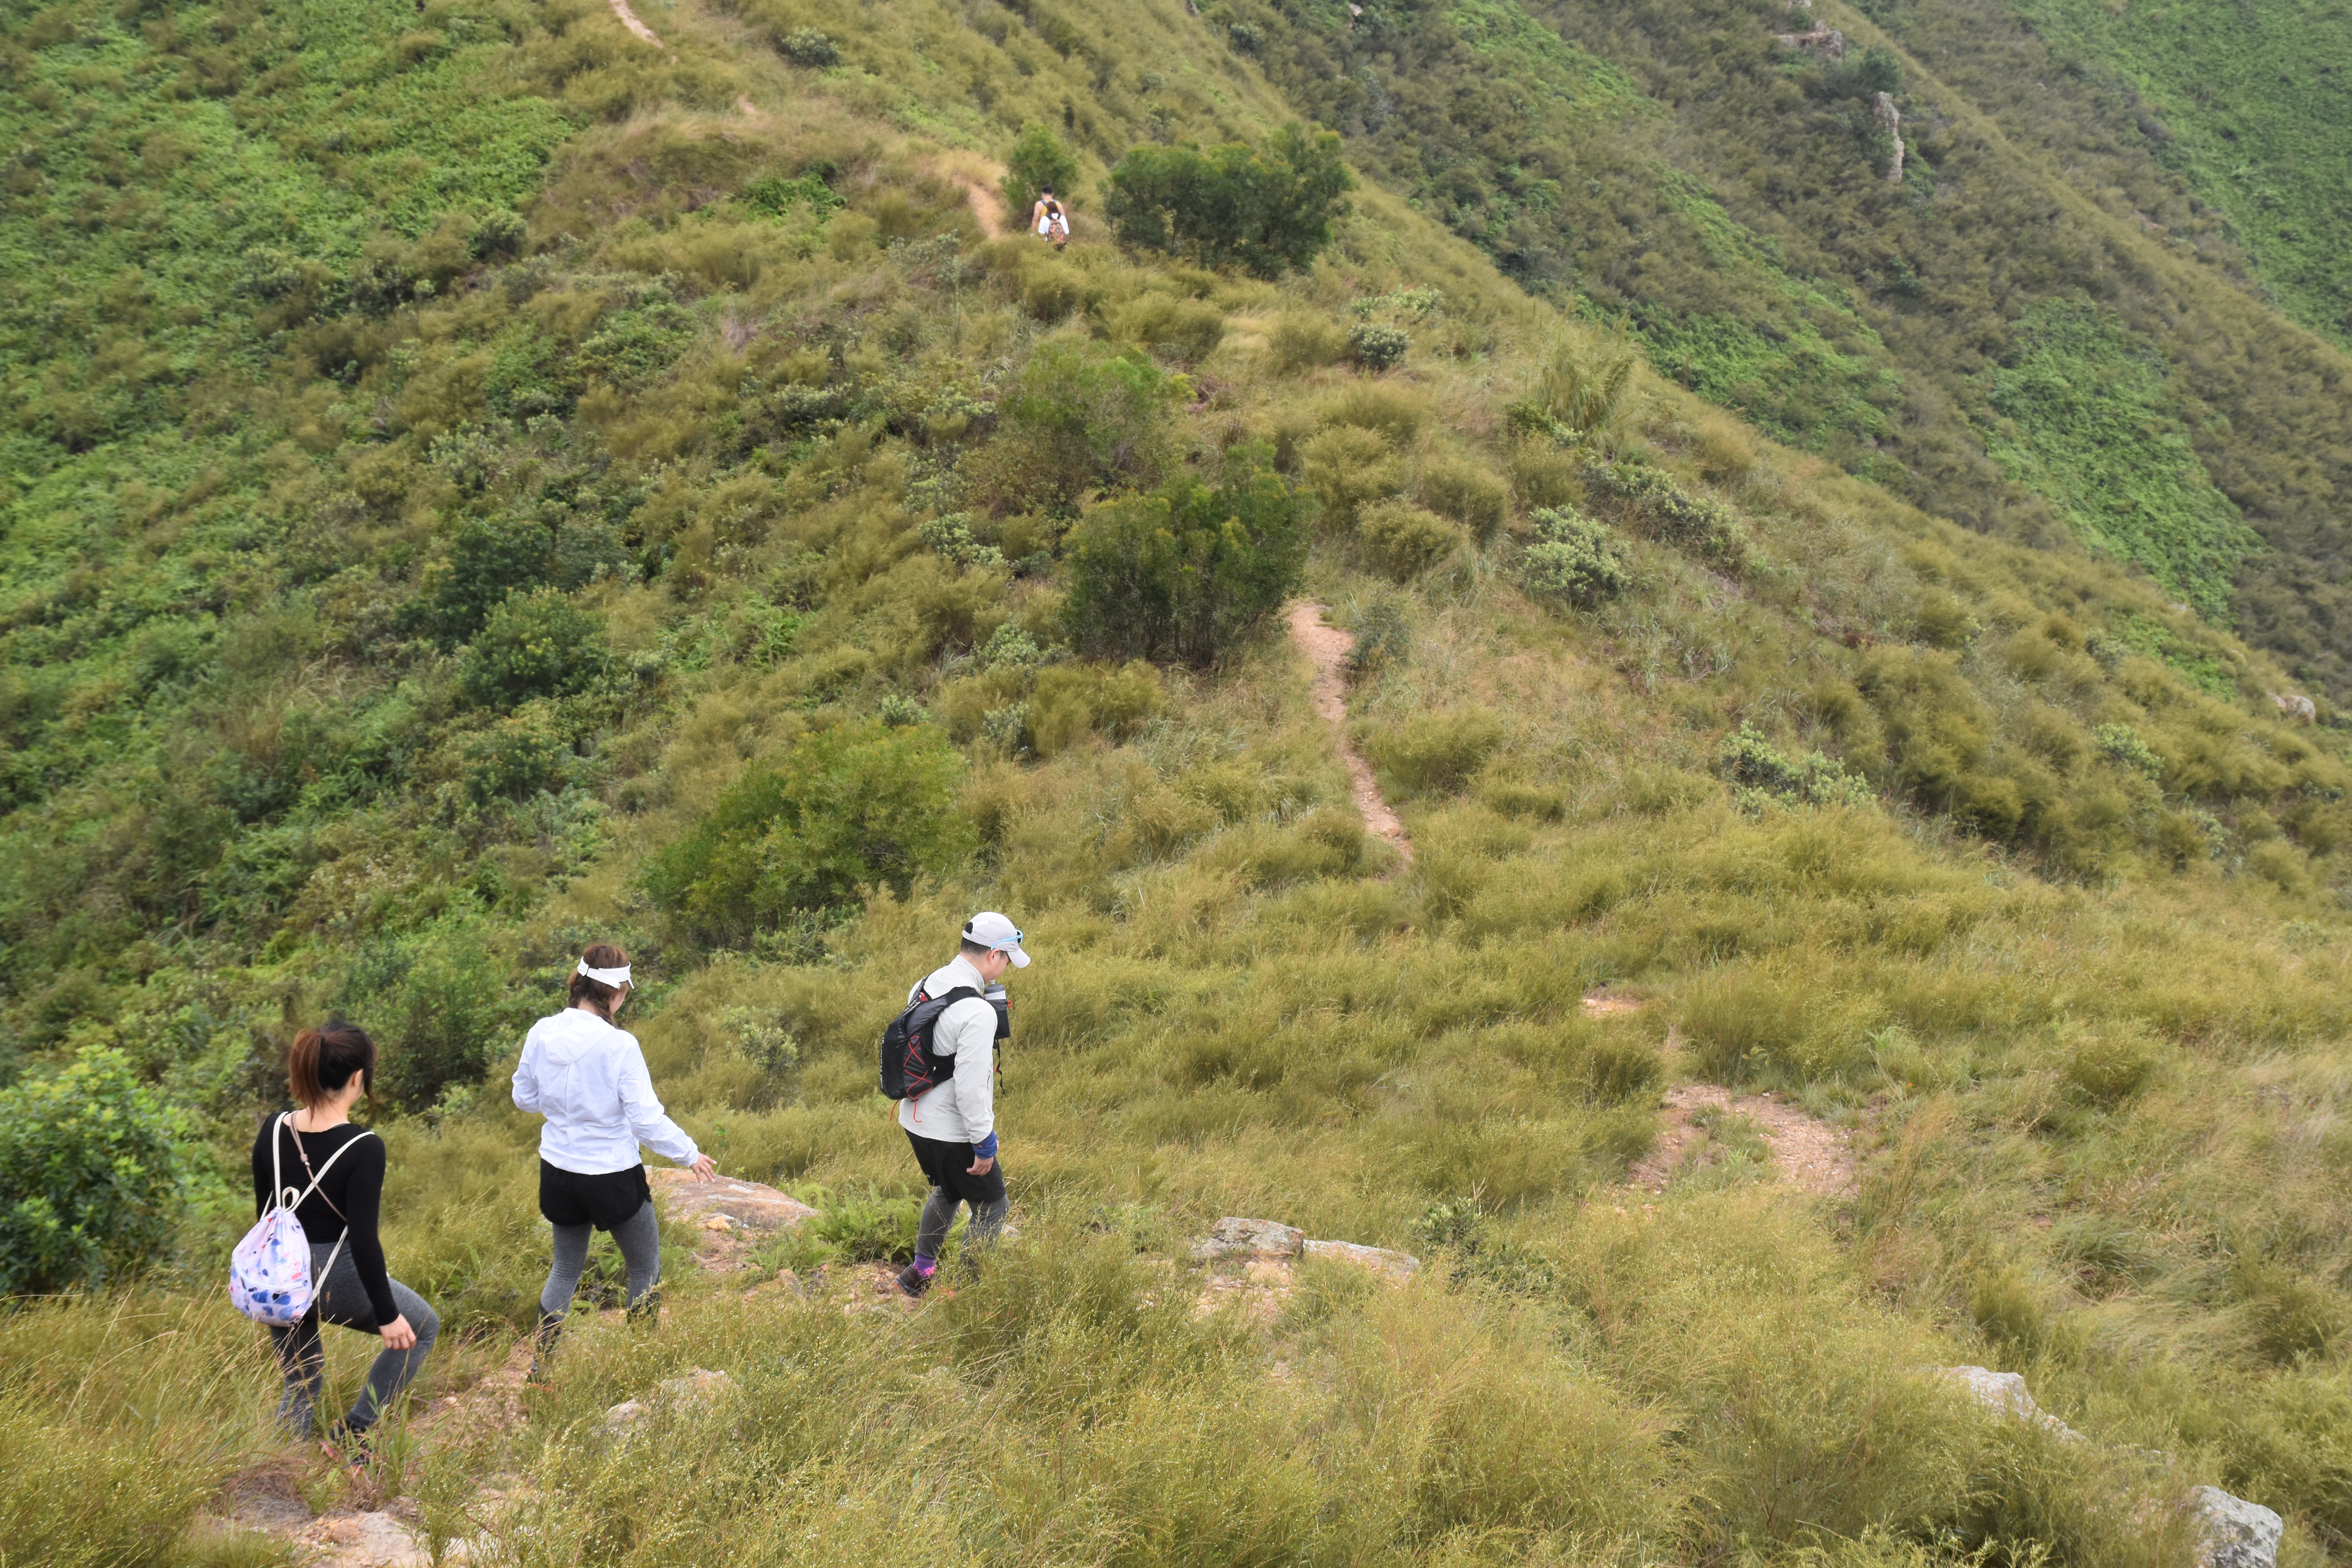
x=355, y=1186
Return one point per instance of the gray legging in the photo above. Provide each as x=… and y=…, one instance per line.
x=640, y=1240
x=938, y=1213
x=344, y=1301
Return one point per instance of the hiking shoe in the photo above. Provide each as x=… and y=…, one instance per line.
x=349, y=1449
x=913, y=1282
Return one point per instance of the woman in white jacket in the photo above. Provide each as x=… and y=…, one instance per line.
x=589, y=1080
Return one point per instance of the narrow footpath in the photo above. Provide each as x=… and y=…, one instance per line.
x=1327, y=648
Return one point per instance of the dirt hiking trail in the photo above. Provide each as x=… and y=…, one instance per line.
x=1807, y=1154
x=629, y=20
x=1327, y=648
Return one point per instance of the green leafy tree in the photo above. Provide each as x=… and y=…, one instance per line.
x=88, y=1172
x=539, y=644
x=1074, y=421
x=1040, y=161
x=845, y=811
x=436, y=999
x=1183, y=574
x=1267, y=209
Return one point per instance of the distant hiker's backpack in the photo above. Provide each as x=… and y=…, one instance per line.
x=909, y=1067
x=269, y=1273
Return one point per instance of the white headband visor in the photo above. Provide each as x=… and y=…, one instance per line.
x=605, y=977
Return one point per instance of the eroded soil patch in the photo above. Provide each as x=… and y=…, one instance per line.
x=1327, y=648
x=1805, y=1152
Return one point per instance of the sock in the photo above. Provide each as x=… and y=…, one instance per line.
x=925, y=1266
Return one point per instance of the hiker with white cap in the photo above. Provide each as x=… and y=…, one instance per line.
x=939, y=1062
x=588, y=1077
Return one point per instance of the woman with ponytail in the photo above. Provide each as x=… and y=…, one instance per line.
x=588, y=1077
x=331, y=1173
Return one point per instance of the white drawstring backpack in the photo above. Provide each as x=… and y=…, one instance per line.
x=269, y=1273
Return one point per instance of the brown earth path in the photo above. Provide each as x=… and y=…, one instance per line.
x=1327, y=648
x=629, y=20
x=1807, y=1153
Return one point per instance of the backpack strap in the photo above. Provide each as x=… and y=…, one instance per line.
x=317, y=1176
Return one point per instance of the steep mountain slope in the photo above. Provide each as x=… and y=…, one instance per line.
x=680, y=545
x=1727, y=190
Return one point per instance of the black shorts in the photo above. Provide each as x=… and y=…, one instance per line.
x=949, y=1166
x=567, y=1197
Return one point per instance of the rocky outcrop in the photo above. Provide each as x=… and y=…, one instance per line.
x=1822, y=43
x=2295, y=706
x=1238, y=1240
x=1378, y=1260
x=733, y=1217
x=696, y=1391
x=2005, y=1392
x=1890, y=119
x=2238, y=1533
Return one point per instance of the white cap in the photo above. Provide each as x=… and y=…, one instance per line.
x=991, y=930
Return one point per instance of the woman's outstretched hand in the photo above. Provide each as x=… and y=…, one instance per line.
x=703, y=1169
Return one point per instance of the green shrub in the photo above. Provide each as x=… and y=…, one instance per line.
x=541, y=644
x=2121, y=745
x=1040, y=161
x=436, y=1001
x=1757, y=769
x=488, y=559
x=1575, y=561
x=520, y=755
x=1376, y=347
x=1075, y=419
x=1072, y=700
x=842, y=812
x=87, y=1174
x=1383, y=637
x=1183, y=574
x=1669, y=513
x=1300, y=341
x=1436, y=754
x=807, y=46
x=1401, y=540
x=1346, y=468
x=2111, y=1067
x=1189, y=327
x=1585, y=390
x=1266, y=210
x=1470, y=495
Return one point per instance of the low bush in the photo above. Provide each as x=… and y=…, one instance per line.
x=1182, y=575
x=1401, y=540
x=1072, y=700
x=1299, y=341
x=1189, y=328
x=1472, y=495
x=1266, y=210
x=1670, y=514
x=1759, y=772
x=87, y=1174
x=844, y=812
x=1574, y=561
x=1075, y=419
x=1376, y=347
x=541, y=644
x=1346, y=468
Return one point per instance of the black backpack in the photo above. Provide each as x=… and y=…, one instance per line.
x=910, y=1066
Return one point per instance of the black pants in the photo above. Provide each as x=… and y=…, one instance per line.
x=947, y=1167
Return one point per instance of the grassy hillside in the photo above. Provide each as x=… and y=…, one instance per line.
x=1673, y=163
x=658, y=521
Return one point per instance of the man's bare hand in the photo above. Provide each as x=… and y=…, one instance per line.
x=703, y=1170
x=981, y=1166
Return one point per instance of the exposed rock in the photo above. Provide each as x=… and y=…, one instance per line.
x=696, y=1391
x=2238, y=1533
x=1246, y=1238
x=746, y=1205
x=1396, y=1264
x=349, y=1539
x=2005, y=1392
x=2297, y=706
x=1827, y=43
x=1889, y=118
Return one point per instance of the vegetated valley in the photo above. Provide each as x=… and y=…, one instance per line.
x=481, y=480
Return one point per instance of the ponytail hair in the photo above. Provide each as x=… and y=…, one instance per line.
x=323, y=1060
x=594, y=994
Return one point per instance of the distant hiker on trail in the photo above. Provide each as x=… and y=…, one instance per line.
x=329, y=1174
x=1049, y=219
x=589, y=1080
x=939, y=1061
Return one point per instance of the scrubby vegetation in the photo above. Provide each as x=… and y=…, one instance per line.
x=483, y=483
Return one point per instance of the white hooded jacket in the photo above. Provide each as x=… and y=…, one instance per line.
x=589, y=1080
x=963, y=1109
